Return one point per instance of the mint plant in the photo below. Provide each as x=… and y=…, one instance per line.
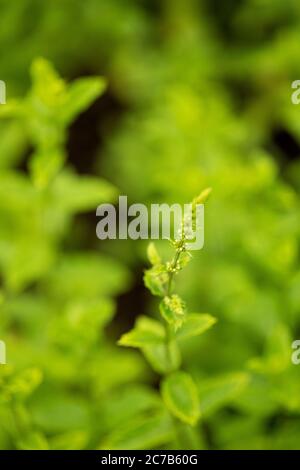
x=159, y=341
x=55, y=297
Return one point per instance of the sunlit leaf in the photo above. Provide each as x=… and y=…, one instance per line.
x=180, y=395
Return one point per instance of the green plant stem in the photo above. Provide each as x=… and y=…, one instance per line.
x=168, y=328
x=171, y=274
x=187, y=437
x=173, y=266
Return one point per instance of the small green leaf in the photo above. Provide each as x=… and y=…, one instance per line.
x=25, y=382
x=146, y=332
x=163, y=358
x=180, y=395
x=203, y=196
x=201, y=199
x=221, y=390
x=48, y=87
x=173, y=310
x=155, y=280
x=196, y=324
x=80, y=95
x=75, y=193
x=45, y=165
x=82, y=275
x=54, y=412
x=277, y=356
x=153, y=255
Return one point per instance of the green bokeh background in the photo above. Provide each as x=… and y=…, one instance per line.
x=198, y=94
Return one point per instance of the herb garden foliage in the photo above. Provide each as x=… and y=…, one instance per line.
x=196, y=94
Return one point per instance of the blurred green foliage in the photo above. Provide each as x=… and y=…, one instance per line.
x=195, y=94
